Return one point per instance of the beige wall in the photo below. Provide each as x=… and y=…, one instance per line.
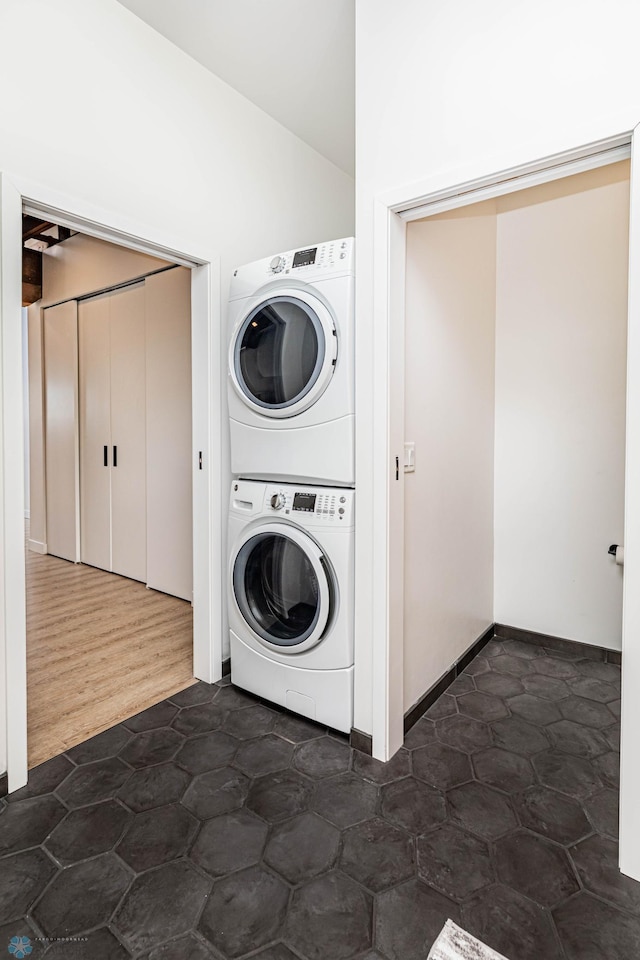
x=561, y=328
x=449, y=413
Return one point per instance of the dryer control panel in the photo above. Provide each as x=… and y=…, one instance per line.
x=310, y=504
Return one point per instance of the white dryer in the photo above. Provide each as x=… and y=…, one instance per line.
x=291, y=587
x=291, y=366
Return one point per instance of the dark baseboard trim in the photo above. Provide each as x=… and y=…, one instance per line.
x=427, y=700
x=560, y=644
x=226, y=667
x=363, y=742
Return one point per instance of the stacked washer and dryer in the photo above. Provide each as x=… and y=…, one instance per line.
x=291, y=512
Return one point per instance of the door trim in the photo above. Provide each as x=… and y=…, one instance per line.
x=380, y=537
x=209, y=482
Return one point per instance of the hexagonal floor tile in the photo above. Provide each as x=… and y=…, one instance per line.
x=152, y=746
x=590, y=928
x=161, y=904
x=250, y=722
x=413, y=805
x=27, y=823
x=22, y=878
x=302, y=848
x=375, y=771
x=482, y=706
x=549, y=813
x=234, y=698
x=185, y=948
x=154, y=787
x=157, y=836
x=463, y=683
x=231, y=842
x=253, y=904
x=596, y=859
x=93, y=782
x=499, y=684
x=44, y=778
x=200, y=719
x=441, y=766
x=324, y=757
x=104, y=745
x=329, y=917
x=553, y=667
x=421, y=733
x=197, y=693
x=160, y=715
x=216, y=792
x=481, y=810
x=88, y=831
x=511, y=924
x=377, y=854
x=576, y=739
x=513, y=666
x=612, y=736
x=206, y=752
x=454, y=862
x=82, y=896
x=594, y=689
x=345, y=799
x=574, y=776
x=603, y=811
x=444, y=706
x=587, y=712
x=263, y=755
x=499, y=768
x=279, y=796
x=99, y=945
x=609, y=672
x=409, y=918
x=477, y=666
x=523, y=649
x=608, y=767
x=548, y=688
x=463, y=733
x=278, y=951
x=518, y=736
x=297, y=729
x=535, y=709
x=535, y=867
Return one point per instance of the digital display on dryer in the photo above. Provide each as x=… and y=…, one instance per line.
x=304, y=501
x=304, y=258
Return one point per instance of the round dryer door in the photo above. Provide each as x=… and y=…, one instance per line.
x=283, y=587
x=283, y=353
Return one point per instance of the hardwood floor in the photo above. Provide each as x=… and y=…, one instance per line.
x=100, y=648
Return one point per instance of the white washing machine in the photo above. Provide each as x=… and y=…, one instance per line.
x=291, y=588
x=291, y=366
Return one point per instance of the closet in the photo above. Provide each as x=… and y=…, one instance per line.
x=515, y=387
x=117, y=389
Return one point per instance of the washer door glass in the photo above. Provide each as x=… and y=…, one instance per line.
x=281, y=588
x=280, y=356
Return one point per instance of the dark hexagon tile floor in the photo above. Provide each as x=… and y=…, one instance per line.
x=215, y=827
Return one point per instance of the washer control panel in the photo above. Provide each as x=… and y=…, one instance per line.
x=331, y=256
x=310, y=504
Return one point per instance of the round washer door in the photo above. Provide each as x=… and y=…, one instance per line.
x=283, y=353
x=282, y=587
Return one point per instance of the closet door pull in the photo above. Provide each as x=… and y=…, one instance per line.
x=106, y=456
x=115, y=456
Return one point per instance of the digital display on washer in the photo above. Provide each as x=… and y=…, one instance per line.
x=304, y=258
x=304, y=501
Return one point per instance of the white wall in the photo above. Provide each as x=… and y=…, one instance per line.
x=561, y=328
x=449, y=413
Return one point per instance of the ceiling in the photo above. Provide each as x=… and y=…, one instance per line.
x=293, y=60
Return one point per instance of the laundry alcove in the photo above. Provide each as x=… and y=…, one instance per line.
x=515, y=361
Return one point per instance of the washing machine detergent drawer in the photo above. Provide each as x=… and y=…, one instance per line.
x=325, y=696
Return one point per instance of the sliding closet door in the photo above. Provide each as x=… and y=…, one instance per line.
x=95, y=432
x=128, y=438
x=61, y=438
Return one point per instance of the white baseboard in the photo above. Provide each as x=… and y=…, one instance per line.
x=36, y=546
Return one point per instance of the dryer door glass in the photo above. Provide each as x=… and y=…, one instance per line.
x=279, y=352
x=278, y=591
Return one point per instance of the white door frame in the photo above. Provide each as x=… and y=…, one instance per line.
x=209, y=483
x=376, y=463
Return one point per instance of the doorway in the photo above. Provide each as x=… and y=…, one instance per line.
x=209, y=476
x=109, y=555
